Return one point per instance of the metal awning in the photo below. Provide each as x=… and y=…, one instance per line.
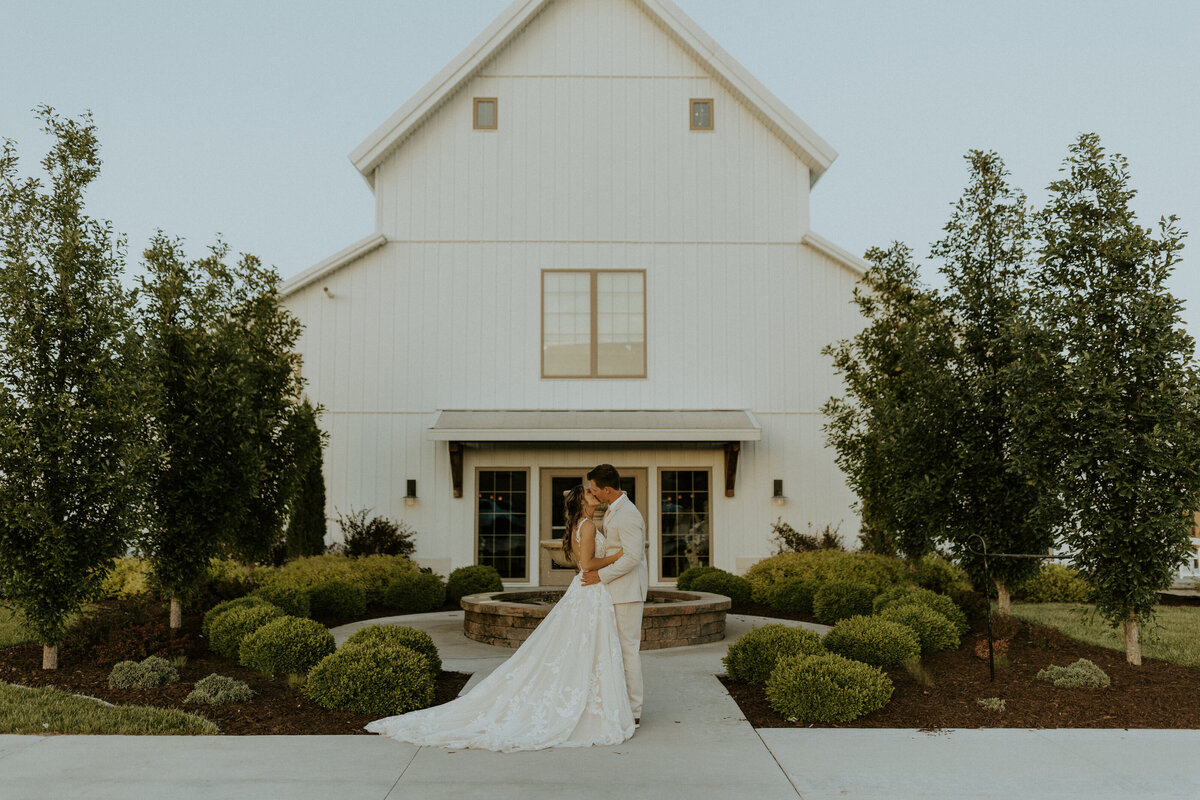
x=595, y=426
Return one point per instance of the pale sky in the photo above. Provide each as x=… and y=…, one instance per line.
x=237, y=117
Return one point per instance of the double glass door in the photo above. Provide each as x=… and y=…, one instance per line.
x=556, y=481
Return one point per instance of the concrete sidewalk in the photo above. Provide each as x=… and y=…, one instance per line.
x=693, y=743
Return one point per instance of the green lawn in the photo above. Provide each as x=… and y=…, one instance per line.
x=48, y=710
x=1173, y=635
x=12, y=631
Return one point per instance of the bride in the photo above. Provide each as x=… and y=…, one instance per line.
x=565, y=685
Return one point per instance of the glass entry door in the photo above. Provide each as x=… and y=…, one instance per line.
x=554, y=482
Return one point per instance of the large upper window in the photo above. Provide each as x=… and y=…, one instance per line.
x=593, y=324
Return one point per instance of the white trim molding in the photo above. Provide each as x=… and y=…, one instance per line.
x=335, y=262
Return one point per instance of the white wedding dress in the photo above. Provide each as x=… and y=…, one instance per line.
x=564, y=687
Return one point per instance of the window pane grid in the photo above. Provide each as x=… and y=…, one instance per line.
x=618, y=309
x=503, y=520
x=684, y=520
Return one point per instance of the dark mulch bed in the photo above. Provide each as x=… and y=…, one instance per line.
x=1154, y=695
x=275, y=708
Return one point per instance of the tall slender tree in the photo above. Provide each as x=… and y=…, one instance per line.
x=306, y=512
x=1119, y=423
x=70, y=387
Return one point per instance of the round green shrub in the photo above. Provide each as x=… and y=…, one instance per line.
x=935, y=632
x=151, y=672
x=684, y=582
x=1082, y=674
x=374, y=572
x=736, y=588
x=217, y=690
x=826, y=688
x=931, y=600
x=129, y=577
x=793, y=595
x=287, y=644
x=824, y=566
x=292, y=601
x=226, y=632
x=337, y=598
x=379, y=680
x=1056, y=583
x=752, y=657
x=472, y=580
x=874, y=641
x=415, y=592
x=124, y=675
x=940, y=575
x=399, y=636
x=838, y=600
x=249, y=601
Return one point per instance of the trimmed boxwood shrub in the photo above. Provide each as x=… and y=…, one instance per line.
x=940, y=575
x=374, y=572
x=379, y=680
x=337, y=598
x=874, y=641
x=151, y=672
x=752, y=657
x=736, y=588
x=217, y=690
x=226, y=632
x=294, y=602
x=415, y=592
x=249, y=601
x=838, y=600
x=931, y=600
x=825, y=566
x=793, y=595
x=472, y=580
x=399, y=636
x=935, y=632
x=1056, y=583
x=684, y=581
x=826, y=688
x=287, y=644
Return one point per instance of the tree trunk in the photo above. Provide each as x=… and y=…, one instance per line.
x=176, y=614
x=1003, y=600
x=1133, y=646
x=49, y=656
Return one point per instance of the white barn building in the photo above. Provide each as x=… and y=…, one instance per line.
x=591, y=245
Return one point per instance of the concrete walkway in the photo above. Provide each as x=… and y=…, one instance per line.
x=693, y=743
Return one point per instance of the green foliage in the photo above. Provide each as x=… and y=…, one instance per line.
x=873, y=640
x=472, y=580
x=286, y=644
x=794, y=595
x=227, y=630
x=306, y=512
x=128, y=577
x=379, y=680
x=375, y=572
x=753, y=656
x=839, y=599
x=292, y=601
x=826, y=688
x=249, y=601
x=735, y=587
x=415, y=592
x=377, y=536
x=219, y=690
x=789, y=540
x=823, y=566
x=935, y=632
x=151, y=672
x=337, y=598
x=684, y=581
x=399, y=636
x=51, y=711
x=1055, y=583
x=1081, y=674
x=904, y=595
x=996, y=704
x=937, y=574
x=370, y=573
x=1176, y=629
x=72, y=390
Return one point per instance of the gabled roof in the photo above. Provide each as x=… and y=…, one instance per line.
x=810, y=148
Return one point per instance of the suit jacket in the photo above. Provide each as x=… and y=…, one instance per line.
x=627, y=578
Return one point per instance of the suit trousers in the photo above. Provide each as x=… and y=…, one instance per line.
x=629, y=629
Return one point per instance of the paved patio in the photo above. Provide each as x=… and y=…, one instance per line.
x=693, y=743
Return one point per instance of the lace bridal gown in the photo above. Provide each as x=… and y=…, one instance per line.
x=564, y=687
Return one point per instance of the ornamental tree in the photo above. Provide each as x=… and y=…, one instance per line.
x=71, y=391
x=306, y=512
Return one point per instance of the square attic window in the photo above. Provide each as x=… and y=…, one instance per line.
x=485, y=113
x=702, y=114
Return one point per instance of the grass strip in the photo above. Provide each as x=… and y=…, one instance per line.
x=1173, y=635
x=12, y=628
x=49, y=710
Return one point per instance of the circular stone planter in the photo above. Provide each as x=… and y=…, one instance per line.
x=670, y=618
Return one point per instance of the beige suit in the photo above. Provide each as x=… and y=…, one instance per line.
x=627, y=580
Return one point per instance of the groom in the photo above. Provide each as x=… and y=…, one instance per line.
x=627, y=579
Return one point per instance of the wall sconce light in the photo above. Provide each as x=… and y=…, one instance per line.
x=410, y=499
x=328, y=293
x=777, y=496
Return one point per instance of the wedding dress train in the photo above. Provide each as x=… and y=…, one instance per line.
x=564, y=687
